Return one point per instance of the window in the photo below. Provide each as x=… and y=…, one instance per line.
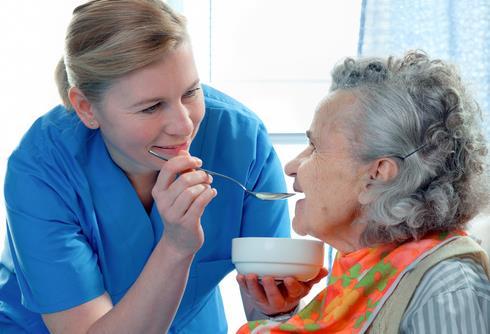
x=275, y=56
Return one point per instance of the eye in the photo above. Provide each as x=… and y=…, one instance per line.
x=192, y=92
x=152, y=109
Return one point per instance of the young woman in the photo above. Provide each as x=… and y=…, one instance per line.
x=103, y=236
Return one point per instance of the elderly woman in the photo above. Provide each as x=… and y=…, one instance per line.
x=394, y=171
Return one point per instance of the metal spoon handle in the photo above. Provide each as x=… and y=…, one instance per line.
x=223, y=176
x=203, y=169
x=266, y=196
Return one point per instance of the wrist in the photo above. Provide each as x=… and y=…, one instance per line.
x=283, y=316
x=169, y=247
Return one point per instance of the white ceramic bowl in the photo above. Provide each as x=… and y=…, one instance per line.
x=278, y=257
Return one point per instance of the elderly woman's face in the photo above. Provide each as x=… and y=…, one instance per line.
x=327, y=174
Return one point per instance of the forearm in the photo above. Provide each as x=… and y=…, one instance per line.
x=150, y=304
x=181, y=193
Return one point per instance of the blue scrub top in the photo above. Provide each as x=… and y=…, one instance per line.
x=76, y=227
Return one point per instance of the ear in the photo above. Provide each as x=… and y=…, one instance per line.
x=83, y=108
x=380, y=171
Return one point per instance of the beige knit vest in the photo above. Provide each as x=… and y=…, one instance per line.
x=390, y=316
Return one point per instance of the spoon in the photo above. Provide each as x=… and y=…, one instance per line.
x=266, y=196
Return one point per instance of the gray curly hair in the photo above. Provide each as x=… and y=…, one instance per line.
x=420, y=106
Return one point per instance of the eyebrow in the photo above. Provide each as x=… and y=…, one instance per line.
x=155, y=99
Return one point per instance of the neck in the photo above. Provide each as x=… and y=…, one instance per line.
x=346, y=240
x=143, y=184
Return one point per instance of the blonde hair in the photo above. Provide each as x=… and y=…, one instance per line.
x=107, y=39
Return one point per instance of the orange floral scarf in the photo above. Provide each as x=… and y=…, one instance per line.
x=358, y=286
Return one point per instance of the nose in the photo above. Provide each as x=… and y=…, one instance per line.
x=179, y=122
x=292, y=167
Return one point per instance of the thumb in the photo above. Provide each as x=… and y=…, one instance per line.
x=183, y=152
x=322, y=274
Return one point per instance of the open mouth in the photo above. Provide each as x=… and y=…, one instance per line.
x=300, y=196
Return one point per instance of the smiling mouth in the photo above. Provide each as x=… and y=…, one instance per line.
x=169, y=147
x=170, y=150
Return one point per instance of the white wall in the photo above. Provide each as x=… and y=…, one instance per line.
x=31, y=45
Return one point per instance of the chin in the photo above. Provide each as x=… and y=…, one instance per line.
x=297, y=227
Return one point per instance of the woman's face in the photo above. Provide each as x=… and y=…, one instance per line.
x=160, y=105
x=328, y=175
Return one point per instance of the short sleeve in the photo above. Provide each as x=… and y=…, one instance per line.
x=55, y=265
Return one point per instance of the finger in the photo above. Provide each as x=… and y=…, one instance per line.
x=184, y=200
x=322, y=274
x=199, y=204
x=241, y=282
x=174, y=166
x=295, y=289
x=182, y=185
x=189, y=179
x=274, y=296
x=256, y=290
x=186, y=153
